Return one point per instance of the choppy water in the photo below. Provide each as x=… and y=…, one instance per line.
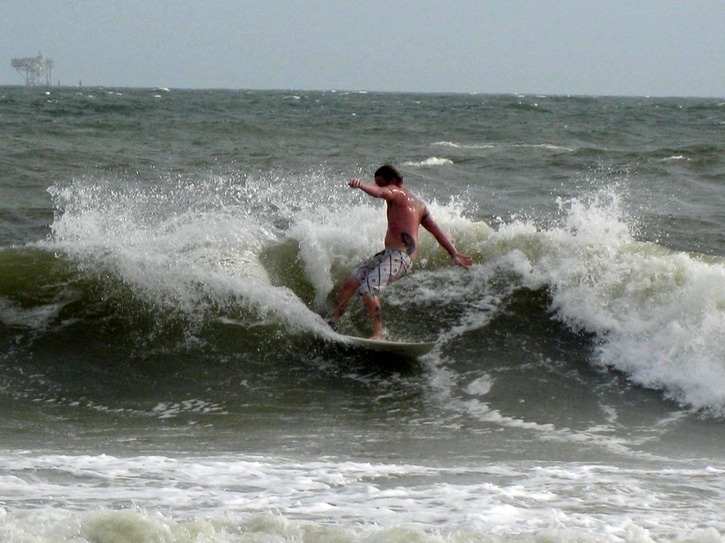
x=165, y=374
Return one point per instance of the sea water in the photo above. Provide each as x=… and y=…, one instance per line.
x=167, y=258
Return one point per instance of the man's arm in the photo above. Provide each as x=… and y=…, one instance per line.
x=440, y=236
x=373, y=190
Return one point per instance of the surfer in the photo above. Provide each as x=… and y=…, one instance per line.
x=405, y=213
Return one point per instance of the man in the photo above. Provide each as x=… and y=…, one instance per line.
x=405, y=214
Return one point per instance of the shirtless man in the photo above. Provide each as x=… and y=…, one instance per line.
x=405, y=214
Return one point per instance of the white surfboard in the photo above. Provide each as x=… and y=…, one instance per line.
x=402, y=348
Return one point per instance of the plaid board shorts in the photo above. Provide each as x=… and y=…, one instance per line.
x=381, y=270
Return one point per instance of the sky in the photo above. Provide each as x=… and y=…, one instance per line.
x=562, y=47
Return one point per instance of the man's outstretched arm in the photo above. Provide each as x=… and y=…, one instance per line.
x=373, y=190
x=441, y=237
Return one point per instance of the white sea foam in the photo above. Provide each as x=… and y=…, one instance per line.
x=546, y=146
x=432, y=161
x=189, y=248
x=658, y=315
x=232, y=499
x=464, y=145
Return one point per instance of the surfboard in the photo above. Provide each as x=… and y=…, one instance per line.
x=402, y=348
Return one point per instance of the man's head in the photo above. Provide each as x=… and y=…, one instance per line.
x=385, y=175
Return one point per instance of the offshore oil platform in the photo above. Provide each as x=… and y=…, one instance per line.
x=35, y=70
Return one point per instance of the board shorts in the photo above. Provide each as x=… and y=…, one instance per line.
x=381, y=270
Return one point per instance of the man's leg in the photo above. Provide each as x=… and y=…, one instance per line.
x=372, y=304
x=344, y=295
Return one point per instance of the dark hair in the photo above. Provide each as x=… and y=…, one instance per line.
x=389, y=173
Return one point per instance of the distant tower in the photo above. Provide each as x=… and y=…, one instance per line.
x=34, y=70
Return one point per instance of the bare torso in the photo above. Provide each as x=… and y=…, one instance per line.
x=405, y=213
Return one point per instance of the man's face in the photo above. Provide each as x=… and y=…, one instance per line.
x=379, y=181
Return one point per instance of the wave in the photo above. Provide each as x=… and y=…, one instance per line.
x=255, y=498
x=656, y=315
x=545, y=146
x=432, y=161
x=269, y=251
x=464, y=145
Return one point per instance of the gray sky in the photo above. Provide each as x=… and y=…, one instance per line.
x=600, y=47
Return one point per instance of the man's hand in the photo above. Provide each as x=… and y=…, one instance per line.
x=462, y=260
x=356, y=183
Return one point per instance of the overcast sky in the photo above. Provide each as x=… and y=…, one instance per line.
x=600, y=47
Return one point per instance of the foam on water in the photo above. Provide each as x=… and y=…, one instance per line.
x=431, y=161
x=254, y=498
x=190, y=248
x=657, y=315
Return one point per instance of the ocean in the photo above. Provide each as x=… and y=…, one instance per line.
x=168, y=258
